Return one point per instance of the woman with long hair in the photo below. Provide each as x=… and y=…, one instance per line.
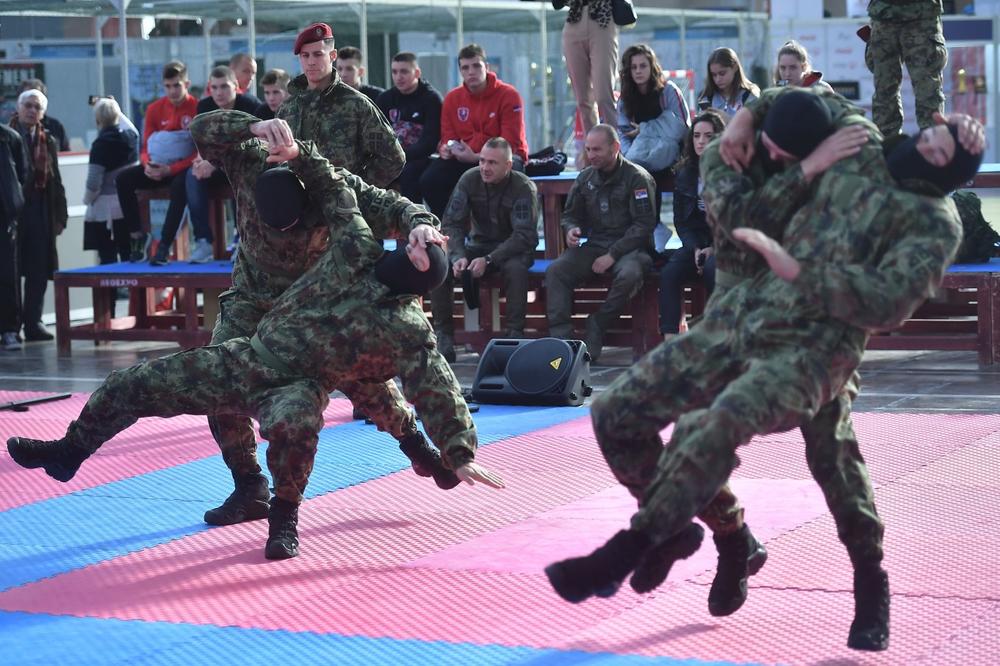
x=727, y=87
x=695, y=259
x=794, y=68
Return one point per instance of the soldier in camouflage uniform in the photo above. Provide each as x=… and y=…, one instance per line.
x=347, y=128
x=905, y=31
x=267, y=263
x=608, y=221
x=336, y=327
x=771, y=352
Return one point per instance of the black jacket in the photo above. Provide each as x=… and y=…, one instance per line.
x=689, y=211
x=114, y=147
x=415, y=118
x=15, y=169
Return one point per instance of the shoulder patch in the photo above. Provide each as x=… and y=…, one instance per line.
x=641, y=193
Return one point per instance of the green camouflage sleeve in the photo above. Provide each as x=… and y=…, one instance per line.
x=456, y=222
x=750, y=199
x=524, y=226
x=844, y=112
x=639, y=234
x=224, y=139
x=325, y=186
x=385, y=157
x=388, y=213
x=884, y=296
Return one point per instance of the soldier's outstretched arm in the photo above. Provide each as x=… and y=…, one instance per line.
x=387, y=212
x=225, y=139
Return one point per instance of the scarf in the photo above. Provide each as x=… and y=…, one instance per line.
x=39, y=153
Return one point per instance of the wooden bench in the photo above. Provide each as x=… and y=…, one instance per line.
x=186, y=324
x=218, y=197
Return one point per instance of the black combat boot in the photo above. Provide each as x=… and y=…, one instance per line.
x=870, y=628
x=740, y=556
x=601, y=573
x=282, y=530
x=247, y=502
x=59, y=458
x=655, y=564
x=426, y=461
x=446, y=345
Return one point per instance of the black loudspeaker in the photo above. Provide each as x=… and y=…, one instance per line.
x=547, y=371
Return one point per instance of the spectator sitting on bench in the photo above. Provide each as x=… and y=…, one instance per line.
x=608, y=220
x=275, y=85
x=245, y=69
x=166, y=154
x=350, y=66
x=695, y=260
x=413, y=108
x=492, y=225
x=202, y=177
x=473, y=113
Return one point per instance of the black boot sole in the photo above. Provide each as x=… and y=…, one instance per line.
x=280, y=549
x=866, y=642
x=656, y=565
x=221, y=516
x=57, y=471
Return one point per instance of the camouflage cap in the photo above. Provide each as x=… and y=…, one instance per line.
x=314, y=33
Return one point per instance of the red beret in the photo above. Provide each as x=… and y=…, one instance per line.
x=314, y=33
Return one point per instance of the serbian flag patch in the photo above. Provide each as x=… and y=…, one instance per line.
x=641, y=193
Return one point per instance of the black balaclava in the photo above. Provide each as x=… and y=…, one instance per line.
x=396, y=271
x=798, y=122
x=906, y=163
x=280, y=198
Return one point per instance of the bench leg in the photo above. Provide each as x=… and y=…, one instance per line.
x=63, y=343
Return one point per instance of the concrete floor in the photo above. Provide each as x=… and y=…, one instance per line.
x=892, y=381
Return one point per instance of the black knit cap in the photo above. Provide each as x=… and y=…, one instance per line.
x=280, y=198
x=798, y=122
x=396, y=271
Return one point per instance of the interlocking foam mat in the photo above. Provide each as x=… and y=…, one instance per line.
x=117, y=567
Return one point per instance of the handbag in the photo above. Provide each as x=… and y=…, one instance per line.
x=622, y=12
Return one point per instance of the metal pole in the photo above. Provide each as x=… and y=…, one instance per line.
x=99, y=22
x=206, y=32
x=252, y=20
x=683, y=40
x=460, y=29
x=387, y=59
x=546, y=139
x=122, y=6
x=995, y=84
x=363, y=25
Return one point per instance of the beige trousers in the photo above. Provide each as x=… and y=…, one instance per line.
x=591, y=54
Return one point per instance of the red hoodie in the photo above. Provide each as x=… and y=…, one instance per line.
x=475, y=119
x=163, y=116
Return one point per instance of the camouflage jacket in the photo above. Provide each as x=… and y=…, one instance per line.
x=614, y=211
x=348, y=129
x=766, y=201
x=501, y=218
x=904, y=10
x=224, y=138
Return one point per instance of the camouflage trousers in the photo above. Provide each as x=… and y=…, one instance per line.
x=220, y=380
x=241, y=308
x=920, y=45
x=719, y=400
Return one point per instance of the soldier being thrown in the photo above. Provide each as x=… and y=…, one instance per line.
x=351, y=317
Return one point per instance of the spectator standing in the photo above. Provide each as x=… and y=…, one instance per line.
x=351, y=68
x=165, y=155
x=413, y=108
x=481, y=108
x=608, y=220
x=492, y=225
x=794, y=68
x=347, y=127
x=53, y=127
x=202, y=177
x=727, y=87
x=44, y=215
x=695, y=260
x=590, y=47
x=114, y=150
x=275, y=85
x=906, y=31
x=15, y=170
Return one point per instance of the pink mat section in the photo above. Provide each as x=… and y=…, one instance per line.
x=147, y=446
x=395, y=557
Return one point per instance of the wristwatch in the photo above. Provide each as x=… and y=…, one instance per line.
x=489, y=259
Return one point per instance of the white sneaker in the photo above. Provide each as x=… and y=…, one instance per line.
x=202, y=252
x=9, y=341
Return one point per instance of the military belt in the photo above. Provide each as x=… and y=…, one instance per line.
x=268, y=357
